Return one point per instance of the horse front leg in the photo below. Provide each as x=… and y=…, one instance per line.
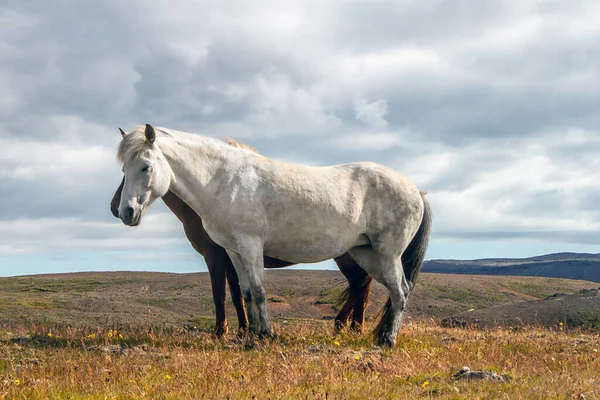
x=216, y=258
x=249, y=264
x=244, y=279
x=236, y=298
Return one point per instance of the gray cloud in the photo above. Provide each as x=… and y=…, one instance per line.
x=67, y=58
x=365, y=26
x=490, y=106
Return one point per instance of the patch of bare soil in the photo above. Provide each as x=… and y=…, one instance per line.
x=518, y=294
x=141, y=298
x=568, y=310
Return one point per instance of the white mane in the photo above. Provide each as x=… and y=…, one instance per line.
x=134, y=143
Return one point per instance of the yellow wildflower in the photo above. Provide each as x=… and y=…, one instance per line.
x=336, y=343
x=91, y=336
x=17, y=382
x=357, y=357
x=560, y=324
x=121, y=336
x=424, y=385
x=168, y=377
x=110, y=334
x=49, y=335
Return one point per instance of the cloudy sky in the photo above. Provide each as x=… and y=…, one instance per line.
x=492, y=107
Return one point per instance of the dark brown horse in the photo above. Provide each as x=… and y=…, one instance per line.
x=221, y=269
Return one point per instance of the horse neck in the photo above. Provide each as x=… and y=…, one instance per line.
x=175, y=204
x=193, y=162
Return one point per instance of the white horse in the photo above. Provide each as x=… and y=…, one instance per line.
x=254, y=207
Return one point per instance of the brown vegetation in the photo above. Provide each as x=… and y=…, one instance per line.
x=304, y=361
x=143, y=298
x=146, y=335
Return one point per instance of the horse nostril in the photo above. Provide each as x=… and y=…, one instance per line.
x=129, y=213
x=114, y=210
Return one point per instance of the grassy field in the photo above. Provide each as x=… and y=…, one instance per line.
x=305, y=360
x=143, y=335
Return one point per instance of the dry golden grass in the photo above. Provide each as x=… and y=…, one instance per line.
x=305, y=361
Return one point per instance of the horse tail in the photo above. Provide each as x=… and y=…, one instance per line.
x=413, y=256
x=412, y=261
x=354, y=298
x=356, y=288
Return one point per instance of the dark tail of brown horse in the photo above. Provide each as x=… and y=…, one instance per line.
x=354, y=298
x=412, y=261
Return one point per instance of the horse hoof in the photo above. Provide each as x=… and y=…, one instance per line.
x=339, y=326
x=242, y=332
x=254, y=330
x=356, y=327
x=221, y=331
x=266, y=335
x=386, y=341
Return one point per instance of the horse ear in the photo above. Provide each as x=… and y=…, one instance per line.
x=150, y=134
x=122, y=132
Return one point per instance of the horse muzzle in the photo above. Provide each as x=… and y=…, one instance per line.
x=130, y=217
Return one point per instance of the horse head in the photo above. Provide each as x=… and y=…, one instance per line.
x=147, y=174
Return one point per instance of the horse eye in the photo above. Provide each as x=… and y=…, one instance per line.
x=145, y=168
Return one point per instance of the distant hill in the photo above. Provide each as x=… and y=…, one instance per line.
x=581, y=266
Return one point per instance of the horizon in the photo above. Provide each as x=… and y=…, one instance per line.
x=491, y=108
x=321, y=266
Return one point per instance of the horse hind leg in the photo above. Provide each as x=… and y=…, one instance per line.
x=345, y=264
x=355, y=297
x=341, y=319
x=360, y=305
x=387, y=270
x=389, y=325
x=391, y=320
